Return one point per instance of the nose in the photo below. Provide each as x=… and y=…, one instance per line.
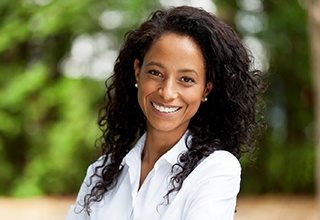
x=168, y=90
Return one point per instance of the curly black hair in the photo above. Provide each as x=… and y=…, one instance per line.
x=229, y=120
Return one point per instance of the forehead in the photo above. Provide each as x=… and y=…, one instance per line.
x=172, y=47
x=166, y=36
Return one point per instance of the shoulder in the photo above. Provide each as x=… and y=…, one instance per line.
x=210, y=190
x=76, y=210
x=218, y=175
x=219, y=164
x=101, y=161
x=96, y=168
x=221, y=159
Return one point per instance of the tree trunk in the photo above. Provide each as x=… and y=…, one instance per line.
x=314, y=33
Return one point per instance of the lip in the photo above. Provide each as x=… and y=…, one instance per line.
x=170, y=109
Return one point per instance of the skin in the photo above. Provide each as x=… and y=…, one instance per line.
x=171, y=85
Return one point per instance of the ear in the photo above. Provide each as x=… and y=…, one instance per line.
x=136, y=69
x=207, y=90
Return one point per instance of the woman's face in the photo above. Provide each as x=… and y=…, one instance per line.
x=171, y=82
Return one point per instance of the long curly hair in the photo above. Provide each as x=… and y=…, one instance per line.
x=229, y=120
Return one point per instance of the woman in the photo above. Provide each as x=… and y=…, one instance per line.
x=180, y=111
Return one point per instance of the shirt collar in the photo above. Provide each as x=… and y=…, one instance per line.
x=171, y=156
x=134, y=155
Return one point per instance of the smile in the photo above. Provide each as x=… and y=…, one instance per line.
x=165, y=109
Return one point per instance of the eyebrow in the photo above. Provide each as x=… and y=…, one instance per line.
x=153, y=63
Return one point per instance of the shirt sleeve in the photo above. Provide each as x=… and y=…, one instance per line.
x=214, y=197
x=76, y=211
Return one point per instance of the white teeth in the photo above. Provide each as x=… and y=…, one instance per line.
x=164, y=109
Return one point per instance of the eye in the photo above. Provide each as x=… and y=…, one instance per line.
x=155, y=73
x=187, y=79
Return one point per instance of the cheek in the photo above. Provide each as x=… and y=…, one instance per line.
x=143, y=91
x=140, y=98
x=195, y=105
x=193, y=100
x=194, y=96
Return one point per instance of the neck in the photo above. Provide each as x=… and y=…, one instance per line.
x=158, y=143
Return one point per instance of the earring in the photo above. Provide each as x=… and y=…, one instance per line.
x=136, y=85
x=205, y=99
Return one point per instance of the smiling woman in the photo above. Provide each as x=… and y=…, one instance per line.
x=184, y=87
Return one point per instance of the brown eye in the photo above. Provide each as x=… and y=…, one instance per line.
x=187, y=80
x=155, y=73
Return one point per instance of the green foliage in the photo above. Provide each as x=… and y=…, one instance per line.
x=280, y=169
x=48, y=121
x=49, y=131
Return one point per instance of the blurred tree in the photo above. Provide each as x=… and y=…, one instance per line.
x=41, y=127
x=288, y=156
x=47, y=128
x=285, y=159
x=314, y=30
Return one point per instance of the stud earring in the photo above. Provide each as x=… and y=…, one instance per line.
x=136, y=85
x=205, y=99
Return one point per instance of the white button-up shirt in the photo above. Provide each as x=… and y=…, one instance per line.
x=209, y=192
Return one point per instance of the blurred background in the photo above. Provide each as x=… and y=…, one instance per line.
x=56, y=54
